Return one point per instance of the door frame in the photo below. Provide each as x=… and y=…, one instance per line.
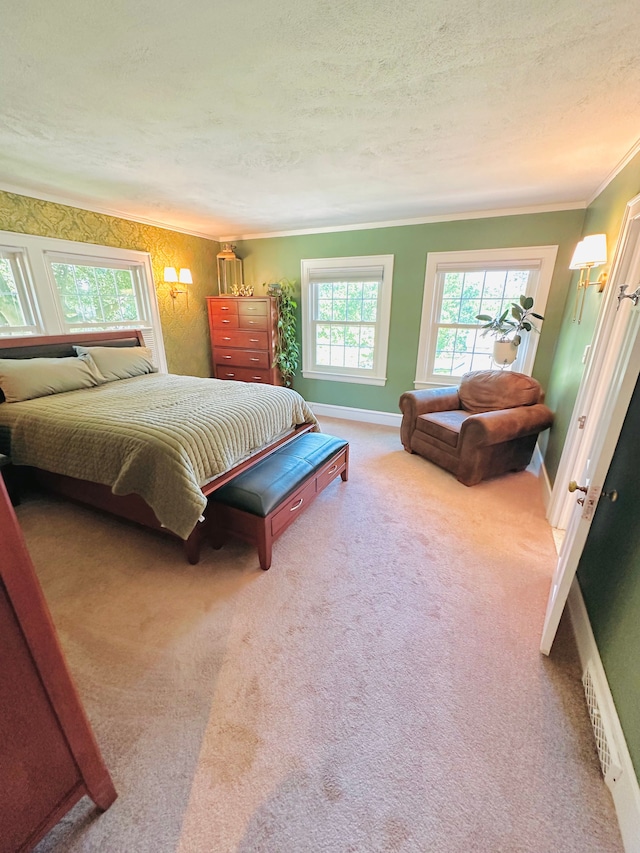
x=592, y=394
x=612, y=387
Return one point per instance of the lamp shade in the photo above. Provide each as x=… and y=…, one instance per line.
x=590, y=252
x=170, y=274
x=184, y=276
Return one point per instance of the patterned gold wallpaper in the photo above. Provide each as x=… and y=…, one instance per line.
x=186, y=335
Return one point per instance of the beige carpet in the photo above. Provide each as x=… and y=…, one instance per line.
x=378, y=690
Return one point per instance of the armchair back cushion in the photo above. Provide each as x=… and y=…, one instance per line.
x=487, y=390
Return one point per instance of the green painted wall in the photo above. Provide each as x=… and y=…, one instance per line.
x=185, y=331
x=609, y=575
x=604, y=215
x=273, y=258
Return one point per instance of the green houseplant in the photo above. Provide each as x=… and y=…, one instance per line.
x=287, y=350
x=508, y=327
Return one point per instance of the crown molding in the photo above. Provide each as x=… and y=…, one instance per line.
x=68, y=201
x=420, y=220
x=628, y=157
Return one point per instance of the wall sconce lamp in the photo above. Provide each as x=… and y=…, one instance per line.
x=590, y=252
x=182, y=277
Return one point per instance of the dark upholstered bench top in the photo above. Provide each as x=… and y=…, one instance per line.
x=262, y=488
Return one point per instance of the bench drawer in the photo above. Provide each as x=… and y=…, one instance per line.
x=293, y=507
x=331, y=470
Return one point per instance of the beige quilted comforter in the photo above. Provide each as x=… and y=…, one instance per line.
x=160, y=436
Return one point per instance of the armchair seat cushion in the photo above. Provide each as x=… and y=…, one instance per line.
x=445, y=426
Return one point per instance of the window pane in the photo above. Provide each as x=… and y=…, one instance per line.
x=494, y=284
x=453, y=285
x=450, y=311
x=96, y=295
x=12, y=312
x=472, y=288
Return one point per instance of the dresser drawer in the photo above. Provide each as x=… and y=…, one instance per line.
x=241, y=338
x=253, y=307
x=253, y=321
x=293, y=507
x=244, y=374
x=224, y=321
x=220, y=306
x=242, y=358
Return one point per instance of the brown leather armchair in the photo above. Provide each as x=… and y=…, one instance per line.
x=487, y=426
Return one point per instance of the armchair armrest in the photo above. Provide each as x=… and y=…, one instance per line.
x=486, y=428
x=415, y=403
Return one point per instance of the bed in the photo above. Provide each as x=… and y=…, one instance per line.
x=147, y=446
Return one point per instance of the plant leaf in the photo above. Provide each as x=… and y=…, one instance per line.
x=526, y=302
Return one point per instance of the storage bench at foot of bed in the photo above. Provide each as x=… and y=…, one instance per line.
x=259, y=504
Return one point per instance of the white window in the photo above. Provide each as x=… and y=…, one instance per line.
x=56, y=287
x=461, y=285
x=346, y=306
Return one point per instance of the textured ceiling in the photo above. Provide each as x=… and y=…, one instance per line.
x=247, y=117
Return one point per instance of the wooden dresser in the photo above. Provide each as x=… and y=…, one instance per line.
x=48, y=756
x=243, y=338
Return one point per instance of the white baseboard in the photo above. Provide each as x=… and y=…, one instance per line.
x=348, y=413
x=626, y=791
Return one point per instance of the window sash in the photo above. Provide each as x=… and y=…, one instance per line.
x=345, y=336
x=537, y=260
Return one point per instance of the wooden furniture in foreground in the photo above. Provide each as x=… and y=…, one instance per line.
x=259, y=505
x=8, y=473
x=243, y=338
x=48, y=756
x=132, y=507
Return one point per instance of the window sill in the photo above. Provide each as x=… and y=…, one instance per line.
x=345, y=377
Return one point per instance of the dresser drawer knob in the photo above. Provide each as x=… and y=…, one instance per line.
x=226, y=356
x=226, y=321
x=252, y=340
x=226, y=339
x=224, y=307
x=229, y=374
x=258, y=378
x=251, y=359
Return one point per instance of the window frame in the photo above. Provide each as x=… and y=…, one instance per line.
x=359, y=376
x=541, y=257
x=38, y=253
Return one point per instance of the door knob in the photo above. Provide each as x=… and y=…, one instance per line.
x=574, y=487
x=612, y=495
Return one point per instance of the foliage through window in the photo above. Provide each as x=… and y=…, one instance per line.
x=93, y=295
x=346, y=318
x=461, y=285
x=460, y=345
x=15, y=311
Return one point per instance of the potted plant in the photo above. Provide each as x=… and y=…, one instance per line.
x=287, y=349
x=508, y=327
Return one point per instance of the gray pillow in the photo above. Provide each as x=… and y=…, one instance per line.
x=120, y=362
x=28, y=378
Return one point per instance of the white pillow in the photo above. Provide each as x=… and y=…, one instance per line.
x=120, y=362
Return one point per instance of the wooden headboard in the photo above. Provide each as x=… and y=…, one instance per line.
x=61, y=346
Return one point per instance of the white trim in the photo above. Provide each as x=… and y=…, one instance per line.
x=419, y=220
x=69, y=201
x=546, y=482
x=543, y=256
x=628, y=157
x=348, y=413
x=626, y=791
x=345, y=377
x=311, y=370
